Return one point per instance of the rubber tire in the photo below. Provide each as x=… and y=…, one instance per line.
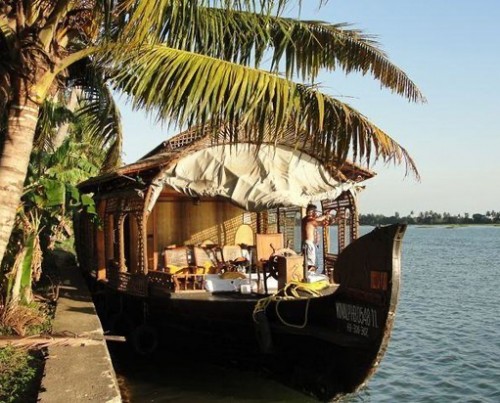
x=144, y=339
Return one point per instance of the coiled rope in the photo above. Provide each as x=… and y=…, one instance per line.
x=293, y=290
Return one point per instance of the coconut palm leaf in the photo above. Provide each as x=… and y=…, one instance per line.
x=190, y=88
x=244, y=37
x=143, y=19
x=102, y=118
x=52, y=114
x=344, y=130
x=98, y=115
x=305, y=46
x=101, y=124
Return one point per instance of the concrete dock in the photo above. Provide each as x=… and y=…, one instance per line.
x=80, y=371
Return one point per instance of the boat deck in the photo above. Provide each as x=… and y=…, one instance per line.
x=232, y=295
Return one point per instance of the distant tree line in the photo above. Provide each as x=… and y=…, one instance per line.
x=431, y=218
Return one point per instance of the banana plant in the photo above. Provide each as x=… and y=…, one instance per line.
x=50, y=193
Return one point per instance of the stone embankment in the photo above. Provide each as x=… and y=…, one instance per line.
x=81, y=371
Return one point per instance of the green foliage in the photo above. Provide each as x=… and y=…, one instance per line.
x=50, y=198
x=16, y=373
x=200, y=62
x=45, y=312
x=52, y=115
x=202, y=56
x=51, y=187
x=54, y=192
x=26, y=268
x=431, y=218
x=99, y=125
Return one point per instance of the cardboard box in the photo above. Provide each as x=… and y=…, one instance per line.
x=290, y=268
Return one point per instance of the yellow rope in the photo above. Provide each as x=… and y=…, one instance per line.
x=291, y=291
x=306, y=314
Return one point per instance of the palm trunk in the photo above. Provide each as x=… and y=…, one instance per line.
x=62, y=132
x=14, y=160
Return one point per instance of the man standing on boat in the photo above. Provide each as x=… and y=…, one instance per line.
x=310, y=237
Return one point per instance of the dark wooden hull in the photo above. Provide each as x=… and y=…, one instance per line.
x=324, y=346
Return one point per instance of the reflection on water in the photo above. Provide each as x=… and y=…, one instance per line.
x=195, y=376
x=445, y=345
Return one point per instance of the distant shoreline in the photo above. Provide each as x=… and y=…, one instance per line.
x=430, y=218
x=439, y=225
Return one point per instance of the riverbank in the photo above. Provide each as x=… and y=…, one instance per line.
x=79, y=369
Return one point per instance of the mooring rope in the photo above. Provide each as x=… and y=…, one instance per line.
x=293, y=290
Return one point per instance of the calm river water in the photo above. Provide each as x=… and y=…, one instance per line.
x=445, y=345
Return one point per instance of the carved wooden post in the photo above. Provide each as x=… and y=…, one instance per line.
x=100, y=242
x=142, y=261
x=121, y=242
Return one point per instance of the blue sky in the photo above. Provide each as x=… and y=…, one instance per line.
x=451, y=50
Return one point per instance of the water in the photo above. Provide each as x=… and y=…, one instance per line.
x=445, y=345
x=446, y=341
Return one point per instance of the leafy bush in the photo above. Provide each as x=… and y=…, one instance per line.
x=17, y=373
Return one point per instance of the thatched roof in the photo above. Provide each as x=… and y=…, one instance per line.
x=170, y=151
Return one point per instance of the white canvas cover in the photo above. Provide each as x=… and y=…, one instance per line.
x=254, y=178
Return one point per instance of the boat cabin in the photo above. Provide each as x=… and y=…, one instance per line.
x=205, y=212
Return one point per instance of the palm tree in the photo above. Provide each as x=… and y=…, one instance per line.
x=59, y=161
x=191, y=61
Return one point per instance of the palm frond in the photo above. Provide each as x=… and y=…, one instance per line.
x=98, y=115
x=100, y=123
x=244, y=36
x=339, y=131
x=143, y=19
x=305, y=47
x=52, y=114
x=309, y=46
x=6, y=32
x=113, y=157
x=106, y=10
x=193, y=89
x=102, y=118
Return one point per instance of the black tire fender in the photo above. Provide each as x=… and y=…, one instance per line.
x=144, y=339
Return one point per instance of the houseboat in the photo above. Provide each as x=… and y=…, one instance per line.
x=201, y=239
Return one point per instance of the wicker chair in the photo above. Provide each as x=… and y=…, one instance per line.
x=184, y=275
x=234, y=258
x=209, y=258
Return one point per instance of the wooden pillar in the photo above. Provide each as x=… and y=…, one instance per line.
x=326, y=242
x=109, y=235
x=341, y=229
x=142, y=258
x=150, y=241
x=354, y=219
x=100, y=242
x=121, y=243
